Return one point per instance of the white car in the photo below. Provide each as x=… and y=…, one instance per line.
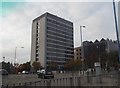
x=24, y=72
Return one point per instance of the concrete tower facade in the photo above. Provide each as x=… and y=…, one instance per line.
x=52, y=40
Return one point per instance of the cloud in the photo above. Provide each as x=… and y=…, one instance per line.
x=17, y=25
x=101, y=24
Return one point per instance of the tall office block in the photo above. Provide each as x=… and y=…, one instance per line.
x=52, y=40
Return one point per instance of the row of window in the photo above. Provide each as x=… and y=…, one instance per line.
x=78, y=54
x=60, y=43
x=57, y=59
x=55, y=35
x=59, y=54
x=63, y=31
x=60, y=39
x=58, y=63
x=63, y=28
x=59, y=23
x=58, y=50
x=70, y=36
x=61, y=47
x=78, y=57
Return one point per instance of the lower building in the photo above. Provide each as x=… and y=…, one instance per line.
x=94, y=50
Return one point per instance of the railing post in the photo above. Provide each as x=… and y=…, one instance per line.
x=118, y=78
x=30, y=83
x=88, y=77
x=13, y=84
x=57, y=82
x=7, y=86
x=79, y=81
x=25, y=84
x=1, y=86
x=64, y=84
x=48, y=83
x=44, y=83
x=39, y=83
x=71, y=81
x=60, y=81
x=35, y=83
x=19, y=84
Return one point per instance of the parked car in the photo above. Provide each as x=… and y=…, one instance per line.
x=41, y=71
x=3, y=72
x=25, y=72
x=46, y=74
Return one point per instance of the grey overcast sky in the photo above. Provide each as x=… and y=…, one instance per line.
x=17, y=23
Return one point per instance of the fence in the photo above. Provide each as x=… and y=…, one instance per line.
x=89, y=80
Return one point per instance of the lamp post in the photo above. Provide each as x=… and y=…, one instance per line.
x=98, y=49
x=3, y=59
x=15, y=59
x=117, y=34
x=98, y=66
x=82, y=48
x=116, y=25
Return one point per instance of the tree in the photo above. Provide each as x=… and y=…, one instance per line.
x=28, y=66
x=109, y=60
x=73, y=64
x=25, y=66
x=36, y=65
x=112, y=59
x=6, y=66
x=52, y=65
x=69, y=65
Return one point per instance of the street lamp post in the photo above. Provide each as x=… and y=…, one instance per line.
x=116, y=26
x=98, y=66
x=82, y=48
x=98, y=48
x=15, y=55
x=3, y=59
